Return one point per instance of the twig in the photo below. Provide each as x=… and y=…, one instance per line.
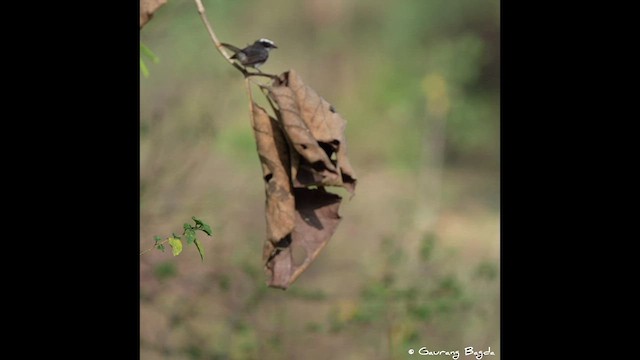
x=154, y=246
x=261, y=74
x=246, y=83
x=248, y=87
x=214, y=38
x=216, y=42
x=244, y=71
x=167, y=239
x=221, y=48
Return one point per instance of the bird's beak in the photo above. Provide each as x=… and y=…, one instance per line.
x=274, y=46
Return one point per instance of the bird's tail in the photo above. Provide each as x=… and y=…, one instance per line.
x=232, y=48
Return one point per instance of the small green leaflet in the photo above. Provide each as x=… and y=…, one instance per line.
x=143, y=68
x=200, y=249
x=148, y=53
x=206, y=228
x=202, y=226
x=198, y=221
x=190, y=234
x=176, y=245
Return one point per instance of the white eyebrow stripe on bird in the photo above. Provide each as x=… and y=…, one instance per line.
x=266, y=41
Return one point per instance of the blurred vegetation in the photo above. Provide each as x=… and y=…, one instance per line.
x=415, y=260
x=175, y=241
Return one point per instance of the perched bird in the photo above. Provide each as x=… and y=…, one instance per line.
x=253, y=55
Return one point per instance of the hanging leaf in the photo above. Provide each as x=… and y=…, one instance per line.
x=315, y=131
x=316, y=219
x=274, y=153
x=301, y=152
x=300, y=221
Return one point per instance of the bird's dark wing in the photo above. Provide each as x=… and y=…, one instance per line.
x=254, y=56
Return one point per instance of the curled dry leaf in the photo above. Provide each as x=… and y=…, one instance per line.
x=301, y=221
x=301, y=152
x=316, y=132
x=316, y=219
x=274, y=157
x=147, y=8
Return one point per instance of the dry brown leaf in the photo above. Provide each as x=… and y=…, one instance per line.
x=316, y=220
x=316, y=132
x=147, y=8
x=305, y=147
x=318, y=168
x=274, y=157
x=301, y=221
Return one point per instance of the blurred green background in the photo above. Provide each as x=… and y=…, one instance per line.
x=415, y=261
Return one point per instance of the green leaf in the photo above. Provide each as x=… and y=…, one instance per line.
x=191, y=235
x=148, y=53
x=200, y=249
x=198, y=221
x=206, y=228
x=201, y=225
x=143, y=68
x=157, y=239
x=187, y=226
x=176, y=245
x=160, y=247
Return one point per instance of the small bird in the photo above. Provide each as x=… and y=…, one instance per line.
x=253, y=55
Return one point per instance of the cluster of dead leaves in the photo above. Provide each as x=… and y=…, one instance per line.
x=301, y=152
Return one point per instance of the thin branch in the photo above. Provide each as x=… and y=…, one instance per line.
x=248, y=87
x=214, y=38
x=261, y=74
x=216, y=42
x=246, y=83
x=154, y=246
x=221, y=48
